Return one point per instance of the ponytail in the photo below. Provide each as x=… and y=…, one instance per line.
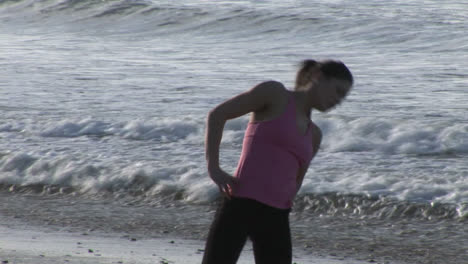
x=329, y=68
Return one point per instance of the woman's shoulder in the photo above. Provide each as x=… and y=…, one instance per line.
x=274, y=90
x=274, y=98
x=270, y=87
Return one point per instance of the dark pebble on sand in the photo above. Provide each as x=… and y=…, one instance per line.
x=172, y=242
x=5, y=262
x=133, y=239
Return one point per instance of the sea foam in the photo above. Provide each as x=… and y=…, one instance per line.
x=394, y=136
x=340, y=135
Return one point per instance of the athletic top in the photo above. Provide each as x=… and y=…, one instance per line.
x=272, y=153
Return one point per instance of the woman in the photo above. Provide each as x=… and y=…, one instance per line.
x=279, y=143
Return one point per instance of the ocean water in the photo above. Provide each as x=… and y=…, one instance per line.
x=107, y=99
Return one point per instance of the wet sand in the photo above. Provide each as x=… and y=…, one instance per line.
x=39, y=247
x=169, y=232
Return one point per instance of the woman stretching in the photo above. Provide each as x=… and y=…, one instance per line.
x=279, y=143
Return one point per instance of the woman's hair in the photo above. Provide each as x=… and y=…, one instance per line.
x=329, y=68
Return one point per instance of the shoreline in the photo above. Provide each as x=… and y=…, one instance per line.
x=317, y=238
x=52, y=247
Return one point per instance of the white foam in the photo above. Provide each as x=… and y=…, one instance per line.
x=372, y=154
x=162, y=129
x=166, y=130
x=393, y=136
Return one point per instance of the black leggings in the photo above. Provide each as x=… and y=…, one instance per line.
x=238, y=219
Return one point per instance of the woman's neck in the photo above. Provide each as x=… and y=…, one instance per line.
x=303, y=102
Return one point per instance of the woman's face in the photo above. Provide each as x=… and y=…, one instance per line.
x=330, y=93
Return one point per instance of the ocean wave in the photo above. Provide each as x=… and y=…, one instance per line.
x=143, y=189
x=144, y=16
x=387, y=136
x=395, y=28
x=394, y=137
x=161, y=130
x=188, y=182
x=56, y=6
x=26, y=172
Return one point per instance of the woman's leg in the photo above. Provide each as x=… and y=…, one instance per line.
x=227, y=235
x=271, y=236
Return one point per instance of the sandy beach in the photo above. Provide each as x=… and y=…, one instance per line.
x=61, y=229
x=29, y=246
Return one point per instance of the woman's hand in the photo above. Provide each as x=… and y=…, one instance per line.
x=224, y=181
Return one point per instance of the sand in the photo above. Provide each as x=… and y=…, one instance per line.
x=41, y=247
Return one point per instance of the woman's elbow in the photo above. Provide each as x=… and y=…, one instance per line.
x=212, y=114
x=215, y=116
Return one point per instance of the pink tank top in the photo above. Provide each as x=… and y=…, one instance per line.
x=272, y=152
